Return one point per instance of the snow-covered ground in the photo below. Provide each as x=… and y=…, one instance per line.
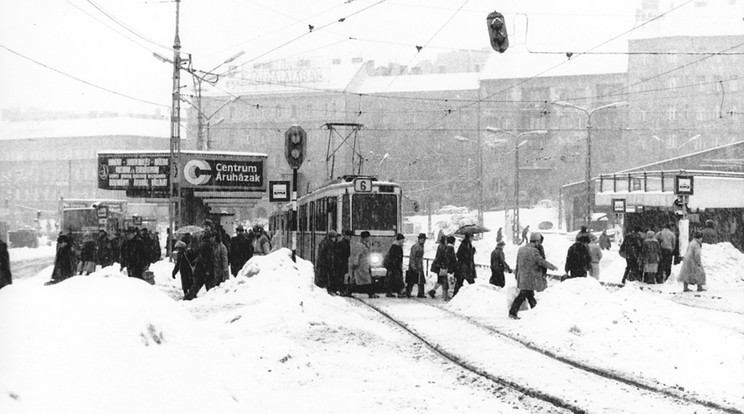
x=274, y=343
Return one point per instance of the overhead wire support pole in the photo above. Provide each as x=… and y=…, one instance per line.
x=174, y=203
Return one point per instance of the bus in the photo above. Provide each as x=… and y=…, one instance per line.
x=356, y=203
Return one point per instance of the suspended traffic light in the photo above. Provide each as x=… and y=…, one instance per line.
x=497, y=32
x=295, y=145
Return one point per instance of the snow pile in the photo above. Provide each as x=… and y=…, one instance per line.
x=723, y=264
x=106, y=345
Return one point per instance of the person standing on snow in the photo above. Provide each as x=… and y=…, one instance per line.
x=447, y=267
x=529, y=269
x=604, y=241
x=465, y=263
x=185, y=263
x=650, y=255
x=498, y=265
x=261, y=243
x=630, y=249
x=595, y=252
x=578, y=260
x=343, y=252
x=324, y=263
x=134, y=256
x=394, y=265
x=667, y=242
x=241, y=250
x=692, y=272
x=360, y=266
x=415, y=274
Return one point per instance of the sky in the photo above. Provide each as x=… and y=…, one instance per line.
x=108, y=46
x=269, y=341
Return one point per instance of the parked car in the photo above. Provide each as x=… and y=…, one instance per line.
x=24, y=238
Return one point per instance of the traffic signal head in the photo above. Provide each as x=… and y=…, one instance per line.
x=295, y=145
x=497, y=32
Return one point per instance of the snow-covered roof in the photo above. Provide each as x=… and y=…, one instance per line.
x=420, y=83
x=518, y=63
x=86, y=127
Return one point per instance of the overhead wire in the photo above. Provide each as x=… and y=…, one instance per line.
x=126, y=27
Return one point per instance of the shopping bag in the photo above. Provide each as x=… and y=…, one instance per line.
x=511, y=294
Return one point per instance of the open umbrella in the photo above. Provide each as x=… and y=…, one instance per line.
x=189, y=230
x=471, y=229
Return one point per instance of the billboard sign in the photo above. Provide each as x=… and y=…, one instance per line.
x=223, y=171
x=147, y=172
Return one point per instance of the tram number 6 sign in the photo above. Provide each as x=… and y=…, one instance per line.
x=363, y=185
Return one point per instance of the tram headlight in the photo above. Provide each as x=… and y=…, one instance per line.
x=375, y=260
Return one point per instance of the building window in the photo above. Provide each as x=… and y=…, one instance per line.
x=671, y=112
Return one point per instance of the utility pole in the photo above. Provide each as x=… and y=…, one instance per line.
x=174, y=204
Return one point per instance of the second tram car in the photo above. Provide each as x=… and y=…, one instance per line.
x=355, y=203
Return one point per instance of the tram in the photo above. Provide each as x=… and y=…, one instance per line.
x=356, y=203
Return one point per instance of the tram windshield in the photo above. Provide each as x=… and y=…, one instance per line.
x=375, y=211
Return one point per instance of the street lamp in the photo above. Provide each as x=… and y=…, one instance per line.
x=589, y=126
x=517, y=144
x=207, y=118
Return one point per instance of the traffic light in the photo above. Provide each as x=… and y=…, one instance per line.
x=497, y=32
x=295, y=145
x=38, y=215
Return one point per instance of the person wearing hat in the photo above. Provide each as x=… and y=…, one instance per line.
x=241, y=250
x=394, y=264
x=650, y=257
x=134, y=255
x=324, y=263
x=185, y=264
x=63, y=260
x=360, y=266
x=343, y=252
x=261, y=242
x=692, y=272
x=529, y=273
x=103, y=248
x=578, y=260
x=498, y=265
x=415, y=274
x=465, y=263
x=447, y=265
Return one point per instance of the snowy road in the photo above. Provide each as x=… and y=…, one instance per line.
x=510, y=362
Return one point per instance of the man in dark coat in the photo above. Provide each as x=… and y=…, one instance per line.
x=498, y=265
x=241, y=250
x=343, y=251
x=325, y=260
x=630, y=249
x=116, y=243
x=465, y=264
x=394, y=266
x=578, y=259
x=104, y=249
x=529, y=271
x=134, y=255
x=6, y=278
x=185, y=263
x=204, y=274
x=416, y=275
x=64, y=263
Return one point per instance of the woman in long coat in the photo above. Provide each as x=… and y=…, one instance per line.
x=466, y=263
x=498, y=265
x=650, y=257
x=360, y=266
x=692, y=272
x=63, y=261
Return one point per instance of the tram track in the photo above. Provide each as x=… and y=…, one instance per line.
x=490, y=353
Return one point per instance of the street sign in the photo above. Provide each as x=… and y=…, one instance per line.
x=363, y=185
x=618, y=205
x=279, y=191
x=684, y=185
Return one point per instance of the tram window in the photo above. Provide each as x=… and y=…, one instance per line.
x=375, y=211
x=311, y=216
x=320, y=215
x=303, y=218
x=332, y=216
x=345, y=213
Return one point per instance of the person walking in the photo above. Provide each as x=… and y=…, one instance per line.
x=204, y=273
x=134, y=255
x=394, y=265
x=465, y=263
x=630, y=249
x=185, y=263
x=63, y=260
x=221, y=262
x=578, y=260
x=261, y=242
x=525, y=231
x=650, y=256
x=343, y=252
x=103, y=249
x=6, y=278
x=360, y=266
x=604, y=241
x=415, y=274
x=595, y=253
x=447, y=264
x=88, y=255
x=692, y=272
x=667, y=242
x=241, y=250
x=498, y=265
x=529, y=271
x=324, y=263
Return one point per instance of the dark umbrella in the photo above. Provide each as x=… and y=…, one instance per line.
x=472, y=229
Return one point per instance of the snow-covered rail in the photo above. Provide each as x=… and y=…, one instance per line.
x=487, y=351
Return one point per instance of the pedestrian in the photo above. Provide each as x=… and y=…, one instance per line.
x=241, y=250
x=343, y=252
x=63, y=260
x=465, y=263
x=529, y=274
x=325, y=260
x=394, y=265
x=710, y=235
x=104, y=249
x=525, y=231
x=221, y=263
x=498, y=265
x=604, y=241
x=360, y=266
x=134, y=255
x=436, y=264
x=204, y=273
x=595, y=252
x=650, y=257
x=6, y=278
x=185, y=263
x=261, y=242
x=500, y=235
x=630, y=249
x=415, y=274
x=692, y=272
x=583, y=232
x=578, y=260
x=116, y=243
x=88, y=255
x=447, y=268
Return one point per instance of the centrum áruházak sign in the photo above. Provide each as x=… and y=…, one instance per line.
x=149, y=171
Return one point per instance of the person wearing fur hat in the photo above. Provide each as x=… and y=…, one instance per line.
x=498, y=265
x=650, y=257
